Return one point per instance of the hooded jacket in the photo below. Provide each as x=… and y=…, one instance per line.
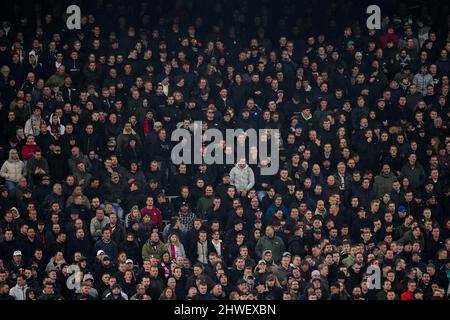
x=153, y=249
x=12, y=170
x=242, y=179
x=274, y=244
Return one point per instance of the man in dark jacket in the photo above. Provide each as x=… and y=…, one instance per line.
x=116, y=228
x=79, y=243
x=107, y=245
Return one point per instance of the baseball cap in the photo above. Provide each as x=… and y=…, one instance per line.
x=267, y=251
x=17, y=253
x=261, y=261
x=129, y=261
x=99, y=252
x=286, y=254
x=402, y=209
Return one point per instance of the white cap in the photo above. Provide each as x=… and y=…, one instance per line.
x=99, y=252
x=129, y=261
x=17, y=253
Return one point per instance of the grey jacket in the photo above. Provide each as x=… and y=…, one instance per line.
x=242, y=179
x=19, y=293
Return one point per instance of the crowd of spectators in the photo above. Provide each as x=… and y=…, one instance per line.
x=92, y=207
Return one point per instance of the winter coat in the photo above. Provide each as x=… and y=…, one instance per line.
x=422, y=81
x=79, y=245
x=12, y=170
x=416, y=175
x=149, y=249
x=110, y=248
x=178, y=249
x=275, y=244
x=98, y=225
x=383, y=184
x=242, y=179
x=33, y=163
x=19, y=293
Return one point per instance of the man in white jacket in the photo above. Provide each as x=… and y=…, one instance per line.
x=242, y=177
x=12, y=169
x=19, y=291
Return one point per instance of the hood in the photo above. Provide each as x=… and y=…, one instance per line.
x=10, y=156
x=51, y=117
x=237, y=166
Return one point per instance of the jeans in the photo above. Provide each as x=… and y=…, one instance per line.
x=10, y=184
x=261, y=194
x=118, y=209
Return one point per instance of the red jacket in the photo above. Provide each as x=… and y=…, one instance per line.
x=407, y=295
x=28, y=150
x=155, y=215
x=389, y=36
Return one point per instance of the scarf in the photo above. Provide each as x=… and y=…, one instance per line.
x=148, y=126
x=166, y=270
x=35, y=124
